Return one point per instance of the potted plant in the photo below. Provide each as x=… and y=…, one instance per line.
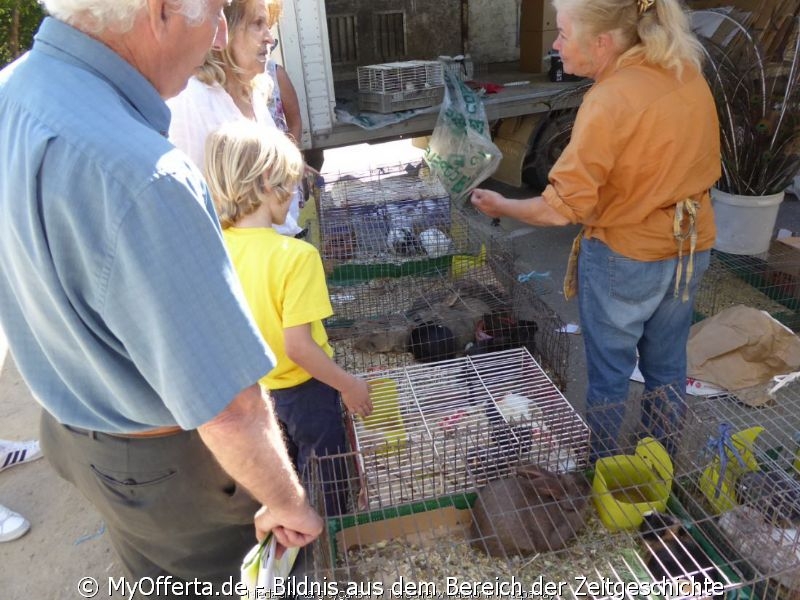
x=758, y=103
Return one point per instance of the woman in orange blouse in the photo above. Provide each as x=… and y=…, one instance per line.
x=643, y=154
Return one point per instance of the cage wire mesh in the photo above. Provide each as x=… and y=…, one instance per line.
x=386, y=215
x=744, y=486
x=448, y=426
x=446, y=288
x=768, y=282
x=403, y=85
x=600, y=533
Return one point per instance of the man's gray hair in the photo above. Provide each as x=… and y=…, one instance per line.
x=98, y=15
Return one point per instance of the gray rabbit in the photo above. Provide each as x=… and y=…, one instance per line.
x=533, y=511
x=775, y=493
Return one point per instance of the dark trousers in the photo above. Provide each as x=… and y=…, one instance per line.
x=168, y=506
x=311, y=417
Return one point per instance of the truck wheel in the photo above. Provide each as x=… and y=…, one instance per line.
x=547, y=145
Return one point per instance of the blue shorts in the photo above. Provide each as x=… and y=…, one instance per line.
x=311, y=417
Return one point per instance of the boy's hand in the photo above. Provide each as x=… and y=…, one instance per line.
x=356, y=398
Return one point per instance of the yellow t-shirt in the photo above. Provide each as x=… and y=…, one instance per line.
x=643, y=140
x=284, y=283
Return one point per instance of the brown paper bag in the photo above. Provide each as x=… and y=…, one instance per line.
x=742, y=348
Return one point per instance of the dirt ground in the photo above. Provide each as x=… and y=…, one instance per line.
x=66, y=541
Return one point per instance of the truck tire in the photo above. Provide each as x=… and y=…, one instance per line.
x=547, y=145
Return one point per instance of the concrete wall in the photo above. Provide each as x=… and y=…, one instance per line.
x=432, y=28
x=494, y=30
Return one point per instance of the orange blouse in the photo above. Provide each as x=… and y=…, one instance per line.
x=643, y=140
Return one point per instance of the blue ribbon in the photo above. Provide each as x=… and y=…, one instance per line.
x=526, y=277
x=719, y=446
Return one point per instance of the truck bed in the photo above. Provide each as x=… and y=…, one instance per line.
x=522, y=93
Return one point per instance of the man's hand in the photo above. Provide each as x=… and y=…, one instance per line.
x=291, y=529
x=246, y=440
x=356, y=398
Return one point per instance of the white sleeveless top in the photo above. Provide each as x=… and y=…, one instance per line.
x=200, y=109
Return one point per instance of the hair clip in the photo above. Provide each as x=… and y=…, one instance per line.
x=644, y=5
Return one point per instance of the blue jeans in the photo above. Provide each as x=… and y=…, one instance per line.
x=310, y=415
x=628, y=305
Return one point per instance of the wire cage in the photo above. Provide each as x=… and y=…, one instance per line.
x=404, y=85
x=448, y=426
x=531, y=532
x=768, y=282
x=465, y=307
x=745, y=485
x=386, y=216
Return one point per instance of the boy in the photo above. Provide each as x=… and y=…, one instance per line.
x=251, y=171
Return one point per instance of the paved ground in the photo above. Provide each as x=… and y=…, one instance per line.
x=67, y=540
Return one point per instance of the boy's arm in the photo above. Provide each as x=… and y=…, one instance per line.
x=304, y=352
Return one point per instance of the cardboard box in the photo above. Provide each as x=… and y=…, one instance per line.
x=533, y=47
x=418, y=528
x=537, y=15
x=537, y=32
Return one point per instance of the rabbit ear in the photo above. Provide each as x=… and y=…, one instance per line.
x=551, y=486
x=532, y=471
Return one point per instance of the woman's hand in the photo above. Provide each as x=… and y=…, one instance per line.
x=489, y=203
x=356, y=398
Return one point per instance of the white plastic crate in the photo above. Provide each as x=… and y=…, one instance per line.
x=395, y=86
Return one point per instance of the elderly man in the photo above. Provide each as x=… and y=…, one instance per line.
x=121, y=307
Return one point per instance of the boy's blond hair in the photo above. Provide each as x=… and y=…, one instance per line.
x=239, y=156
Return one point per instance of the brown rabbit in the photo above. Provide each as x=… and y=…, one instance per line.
x=533, y=511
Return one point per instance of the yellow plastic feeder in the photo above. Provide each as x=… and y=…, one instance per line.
x=627, y=486
x=721, y=495
x=386, y=420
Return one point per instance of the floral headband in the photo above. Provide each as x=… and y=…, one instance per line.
x=644, y=5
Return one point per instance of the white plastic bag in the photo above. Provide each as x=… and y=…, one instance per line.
x=260, y=568
x=461, y=152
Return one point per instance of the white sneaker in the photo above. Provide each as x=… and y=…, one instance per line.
x=12, y=525
x=17, y=453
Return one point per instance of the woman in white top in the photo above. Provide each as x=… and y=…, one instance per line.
x=232, y=84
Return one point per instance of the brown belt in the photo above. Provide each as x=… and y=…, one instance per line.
x=150, y=433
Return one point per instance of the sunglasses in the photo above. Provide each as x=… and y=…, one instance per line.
x=273, y=45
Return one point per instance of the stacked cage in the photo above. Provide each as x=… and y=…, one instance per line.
x=533, y=522
x=768, y=282
x=745, y=486
x=414, y=280
x=395, y=86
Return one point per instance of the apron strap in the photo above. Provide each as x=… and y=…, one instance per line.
x=685, y=208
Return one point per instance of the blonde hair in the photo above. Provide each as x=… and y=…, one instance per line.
x=274, y=11
x=238, y=15
x=661, y=35
x=239, y=156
